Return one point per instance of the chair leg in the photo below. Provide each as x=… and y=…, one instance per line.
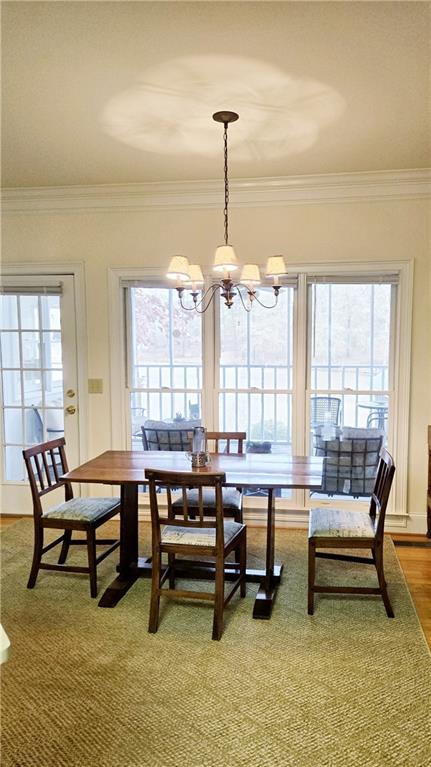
x=218, y=600
x=171, y=565
x=91, y=549
x=382, y=582
x=153, y=623
x=311, y=575
x=243, y=564
x=65, y=547
x=37, y=556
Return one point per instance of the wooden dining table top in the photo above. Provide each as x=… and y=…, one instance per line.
x=266, y=470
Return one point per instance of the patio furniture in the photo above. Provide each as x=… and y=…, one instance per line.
x=188, y=536
x=162, y=435
x=46, y=463
x=350, y=461
x=324, y=410
x=335, y=529
x=378, y=413
x=194, y=410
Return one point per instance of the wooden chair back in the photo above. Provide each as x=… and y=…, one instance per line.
x=45, y=464
x=382, y=488
x=214, y=438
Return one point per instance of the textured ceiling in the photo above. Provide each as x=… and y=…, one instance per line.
x=120, y=92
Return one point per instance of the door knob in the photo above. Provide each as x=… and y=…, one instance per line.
x=70, y=393
x=71, y=409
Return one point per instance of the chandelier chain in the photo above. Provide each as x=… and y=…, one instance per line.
x=226, y=189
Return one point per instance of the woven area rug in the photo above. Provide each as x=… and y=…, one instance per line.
x=89, y=687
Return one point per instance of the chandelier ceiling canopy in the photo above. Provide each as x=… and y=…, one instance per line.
x=189, y=276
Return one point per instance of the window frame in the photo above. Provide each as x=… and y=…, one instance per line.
x=298, y=506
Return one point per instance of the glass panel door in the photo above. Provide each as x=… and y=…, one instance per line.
x=38, y=363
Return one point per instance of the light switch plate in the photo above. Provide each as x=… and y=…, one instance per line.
x=95, y=385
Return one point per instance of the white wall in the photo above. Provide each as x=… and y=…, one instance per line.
x=339, y=231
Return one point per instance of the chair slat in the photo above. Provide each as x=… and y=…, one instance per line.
x=39, y=471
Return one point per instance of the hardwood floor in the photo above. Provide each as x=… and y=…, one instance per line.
x=415, y=563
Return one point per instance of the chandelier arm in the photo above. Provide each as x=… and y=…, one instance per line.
x=255, y=297
x=244, y=305
x=265, y=306
x=197, y=304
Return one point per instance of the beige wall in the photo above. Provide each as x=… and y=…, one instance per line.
x=337, y=232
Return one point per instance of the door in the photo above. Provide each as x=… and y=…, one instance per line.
x=38, y=358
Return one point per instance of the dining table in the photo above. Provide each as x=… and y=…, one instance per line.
x=263, y=471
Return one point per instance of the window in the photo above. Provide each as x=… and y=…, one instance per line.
x=165, y=359
x=256, y=372
x=351, y=377
x=328, y=359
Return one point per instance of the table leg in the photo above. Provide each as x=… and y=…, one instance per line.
x=128, y=571
x=265, y=597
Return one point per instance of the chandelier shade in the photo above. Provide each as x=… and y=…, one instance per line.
x=225, y=259
x=178, y=268
x=195, y=278
x=189, y=276
x=250, y=275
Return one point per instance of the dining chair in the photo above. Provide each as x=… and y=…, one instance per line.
x=339, y=529
x=197, y=537
x=226, y=442
x=45, y=464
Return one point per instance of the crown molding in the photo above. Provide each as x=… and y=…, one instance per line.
x=289, y=190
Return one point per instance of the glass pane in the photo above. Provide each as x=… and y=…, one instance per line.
x=247, y=347
x=50, y=312
x=13, y=426
x=15, y=468
x=11, y=387
x=29, y=311
x=31, y=350
x=34, y=431
x=53, y=422
x=53, y=387
x=350, y=336
x=161, y=330
x=8, y=312
x=52, y=357
x=166, y=353
x=266, y=418
x=10, y=349
x=32, y=387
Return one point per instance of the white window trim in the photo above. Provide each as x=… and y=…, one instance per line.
x=397, y=516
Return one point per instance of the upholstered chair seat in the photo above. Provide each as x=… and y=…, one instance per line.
x=340, y=524
x=82, y=509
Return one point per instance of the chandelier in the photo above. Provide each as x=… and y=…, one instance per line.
x=189, y=277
